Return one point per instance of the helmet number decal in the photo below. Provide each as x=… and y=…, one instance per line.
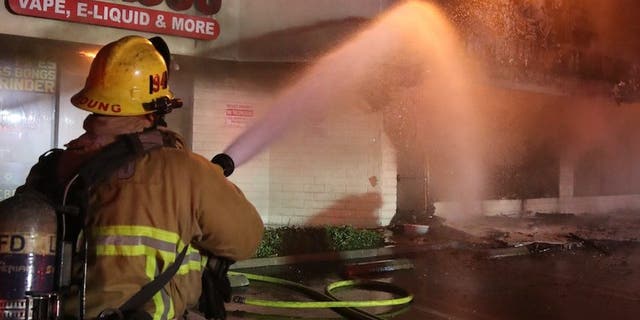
x=157, y=82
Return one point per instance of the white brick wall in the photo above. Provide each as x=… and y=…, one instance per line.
x=211, y=135
x=388, y=180
x=326, y=164
x=317, y=173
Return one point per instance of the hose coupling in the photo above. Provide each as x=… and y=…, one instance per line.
x=238, y=299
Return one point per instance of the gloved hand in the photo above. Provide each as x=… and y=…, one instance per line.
x=216, y=289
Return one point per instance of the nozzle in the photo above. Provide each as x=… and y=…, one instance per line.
x=224, y=161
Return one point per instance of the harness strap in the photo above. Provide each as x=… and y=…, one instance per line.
x=110, y=159
x=116, y=155
x=146, y=292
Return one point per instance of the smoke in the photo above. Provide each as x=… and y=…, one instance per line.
x=481, y=139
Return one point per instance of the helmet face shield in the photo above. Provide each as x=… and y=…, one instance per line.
x=125, y=75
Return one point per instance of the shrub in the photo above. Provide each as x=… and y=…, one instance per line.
x=270, y=243
x=349, y=238
x=290, y=240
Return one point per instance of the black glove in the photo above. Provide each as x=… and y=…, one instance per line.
x=216, y=289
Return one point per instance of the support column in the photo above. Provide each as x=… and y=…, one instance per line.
x=566, y=179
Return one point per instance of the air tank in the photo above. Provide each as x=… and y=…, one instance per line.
x=27, y=253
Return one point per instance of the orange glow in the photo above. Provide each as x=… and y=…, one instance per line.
x=88, y=54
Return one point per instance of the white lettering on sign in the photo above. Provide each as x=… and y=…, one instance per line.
x=36, y=76
x=191, y=25
x=43, y=5
x=6, y=193
x=120, y=16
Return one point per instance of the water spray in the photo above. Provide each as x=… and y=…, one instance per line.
x=395, y=48
x=332, y=78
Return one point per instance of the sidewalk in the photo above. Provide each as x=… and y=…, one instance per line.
x=482, y=233
x=385, y=252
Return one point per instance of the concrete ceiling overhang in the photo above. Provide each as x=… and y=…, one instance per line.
x=526, y=41
x=296, y=44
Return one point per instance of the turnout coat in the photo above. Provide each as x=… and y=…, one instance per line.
x=144, y=214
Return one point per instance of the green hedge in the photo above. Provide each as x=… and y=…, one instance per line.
x=282, y=241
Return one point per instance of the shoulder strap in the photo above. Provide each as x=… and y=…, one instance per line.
x=116, y=155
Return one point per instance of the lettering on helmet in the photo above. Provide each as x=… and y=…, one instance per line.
x=95, y=104
x=157, y=82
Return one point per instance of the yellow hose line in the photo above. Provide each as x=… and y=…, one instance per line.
x=321, y=304
x=325, y=304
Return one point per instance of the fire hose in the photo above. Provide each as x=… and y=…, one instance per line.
x=346, y=308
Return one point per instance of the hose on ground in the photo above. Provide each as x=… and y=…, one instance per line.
x=348, y=309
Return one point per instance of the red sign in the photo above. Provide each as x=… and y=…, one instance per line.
x=119, y=16
x=238, y=115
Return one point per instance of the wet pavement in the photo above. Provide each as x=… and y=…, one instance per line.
x=560, y=282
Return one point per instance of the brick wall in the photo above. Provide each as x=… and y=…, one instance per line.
x=213, y=132
x=335, y=166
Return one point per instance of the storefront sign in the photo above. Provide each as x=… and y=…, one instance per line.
x=32, y=76
x=119, y=16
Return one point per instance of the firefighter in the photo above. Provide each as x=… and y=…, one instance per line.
x=143, y=214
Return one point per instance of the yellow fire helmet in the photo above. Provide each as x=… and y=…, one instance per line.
x=128, y=77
